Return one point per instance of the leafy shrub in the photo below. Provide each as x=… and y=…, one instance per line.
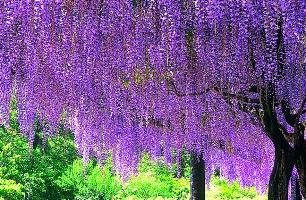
x=154, y=181
x=233, y=191
x=38, y=171
x=146, y=186
x=9, y=189
x=97, y=184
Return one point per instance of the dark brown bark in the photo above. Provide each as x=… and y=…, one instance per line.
x=281, y=173
x=301, y=168
x=197, y=178
x=295, y=188
x=180, y=165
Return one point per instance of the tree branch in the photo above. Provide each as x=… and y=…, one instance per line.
x=237, y=96
x=216, y=89
x=301, y=111
x=290, y=118
x=179, y=94
x=288, y=136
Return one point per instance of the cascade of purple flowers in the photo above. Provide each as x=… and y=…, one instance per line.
x=151, y=77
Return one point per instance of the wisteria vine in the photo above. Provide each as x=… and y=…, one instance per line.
x=156, y=76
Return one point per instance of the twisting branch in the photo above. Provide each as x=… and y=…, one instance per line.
x=288, y=136
x=301, y=111
x=179, y=94
x=239, y=97
x=290, y=118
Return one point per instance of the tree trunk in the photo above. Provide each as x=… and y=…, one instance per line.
x=179, y=165
x=301, y=168
x=197, y=178
x=280, y=176
x=295, y=188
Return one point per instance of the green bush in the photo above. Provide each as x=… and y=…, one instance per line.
x=233, y=191
x=97, y=184
x=38, y=171
x=154, y=181
x=9, y=189
x=146, y=186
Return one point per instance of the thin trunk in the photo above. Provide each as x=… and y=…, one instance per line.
x=295, y=188
x=179, y=165
x=197, y=178
x=280, y=176
x=301, y=168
